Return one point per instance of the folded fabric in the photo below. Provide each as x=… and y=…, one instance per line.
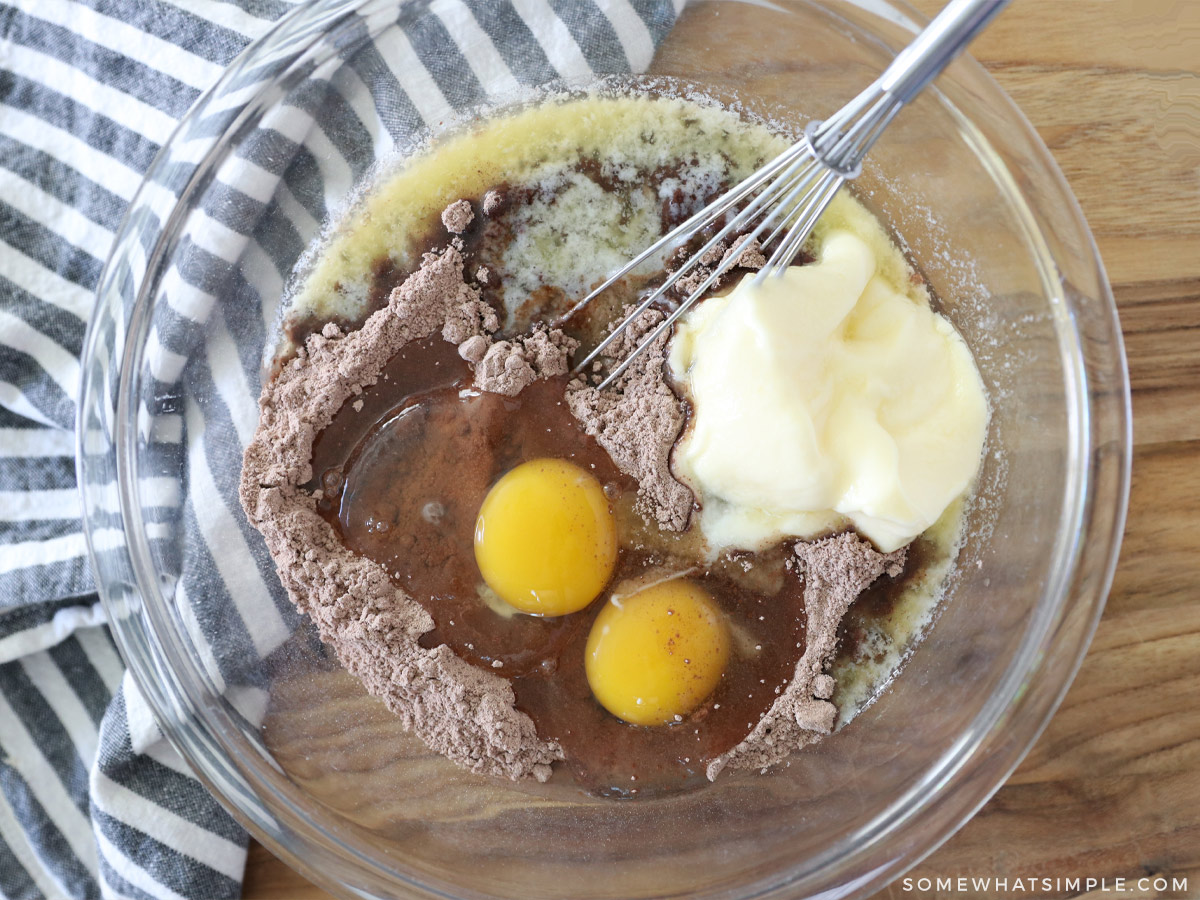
x=93, y=801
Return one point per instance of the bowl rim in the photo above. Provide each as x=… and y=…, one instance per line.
x=195, y=728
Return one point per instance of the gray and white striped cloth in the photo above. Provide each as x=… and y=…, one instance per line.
x=93, y=801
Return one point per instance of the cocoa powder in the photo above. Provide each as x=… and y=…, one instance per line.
x=637, y=420
x=463, y=712
x=743, y=253
x=835, y=571
x=508, y=367
x=457, y=216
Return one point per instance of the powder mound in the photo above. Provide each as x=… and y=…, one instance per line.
x=637, y=420
x=508, y=367
x=457, y=216
x=460, y=711
x=836, y=570
x=744, y=253
x=469, y=318
x=493, y=202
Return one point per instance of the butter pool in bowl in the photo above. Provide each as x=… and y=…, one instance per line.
x=324, y=773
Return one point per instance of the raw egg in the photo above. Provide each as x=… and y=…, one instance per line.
x=657, y=653
x=545, y=539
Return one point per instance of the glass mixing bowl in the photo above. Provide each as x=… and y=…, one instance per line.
x=319, y=771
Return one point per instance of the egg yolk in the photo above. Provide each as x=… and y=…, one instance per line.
x=545, y=539
x=656, y=654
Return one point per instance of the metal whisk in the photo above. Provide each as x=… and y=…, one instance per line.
x=784, y=198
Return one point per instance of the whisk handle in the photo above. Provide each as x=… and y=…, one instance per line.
x=936, y=47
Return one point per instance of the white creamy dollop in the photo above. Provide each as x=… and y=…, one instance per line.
x=824, y=397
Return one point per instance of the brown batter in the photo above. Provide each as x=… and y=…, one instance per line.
x=373, y=454
x=393, y=498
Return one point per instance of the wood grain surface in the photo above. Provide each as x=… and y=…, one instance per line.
x=1112, y=788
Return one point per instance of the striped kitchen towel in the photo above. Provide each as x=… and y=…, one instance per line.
x=93, y=801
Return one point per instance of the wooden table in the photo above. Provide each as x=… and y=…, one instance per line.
x=1113, y=786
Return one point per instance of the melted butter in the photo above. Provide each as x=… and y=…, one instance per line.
x=532, y=146
x=576, y=236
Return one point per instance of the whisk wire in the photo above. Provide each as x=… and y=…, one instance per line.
x=785, y=221
x=804, y=222
x=820, y=193
x=700, y=220
x=752, y=210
